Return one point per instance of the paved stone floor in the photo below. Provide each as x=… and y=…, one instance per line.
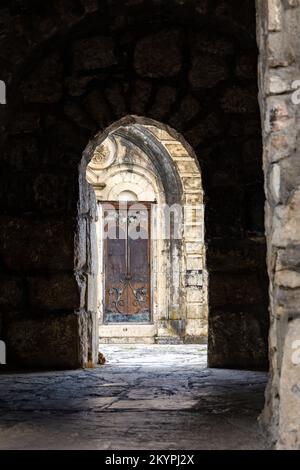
x=144, y=397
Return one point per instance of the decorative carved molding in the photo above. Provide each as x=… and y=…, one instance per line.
x=103, y=156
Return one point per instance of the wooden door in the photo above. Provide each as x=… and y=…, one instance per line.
x=127, y=263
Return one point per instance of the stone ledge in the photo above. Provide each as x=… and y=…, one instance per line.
x=168, y=340
x=127, y=340
x=127, y=331
x=190, y=339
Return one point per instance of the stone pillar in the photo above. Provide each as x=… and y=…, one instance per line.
x=279, y=66
x=86, y=269
x=188, y=309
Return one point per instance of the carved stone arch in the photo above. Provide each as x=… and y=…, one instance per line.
x=139, y=135
x=142, y=157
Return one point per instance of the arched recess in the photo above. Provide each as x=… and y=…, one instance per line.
x=140, y=160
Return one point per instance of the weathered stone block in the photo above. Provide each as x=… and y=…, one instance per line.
x=210, y=43
x=274, y=15
x=287, y=278
x=177, y=150
x=207, y=71
x=44, y=85
x=188, y=109
x=194, y=198
x=239, y=100
x=288, y=258
x=176, y=327
x=192, y=183
x=274, y=182
x=234, y=289
x=278, y=116
x=289, y=408
x=193, y=233
x=98, y=108
x=194, y=263
x=194, y=294
x=54, y=292
x=208, y=128
x=278, y=84
x=77, y=114
x=286, y=222
x=80, y=247
x=164, y=99
x=282, y=144
x=290, y=176
x=47, y=342
x=194, y=248
x=55, y=192
x=77, y=85
x=158, y=55
x=237, y=340
x=94, y=53
x=195, y=311
x=247, y=255
x=92, y=249
x=27, y=122
x=64, y=146
x=22, y=152
x=194, y=278
x=30, y=244
x=92, y=291
x=280, y=53
x=10, y=200
x=140, y=96
x=115, y=95
x=286, y=300
x=196, y=328
x=11, y=292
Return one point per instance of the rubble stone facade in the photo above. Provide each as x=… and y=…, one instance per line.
x=279, y=68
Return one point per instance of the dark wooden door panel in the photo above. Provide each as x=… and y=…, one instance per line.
x=127, y=265
x=115, y=269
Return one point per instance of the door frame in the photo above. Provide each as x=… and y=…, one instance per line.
x=117, y=204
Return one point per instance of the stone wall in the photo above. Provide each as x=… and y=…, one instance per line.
x=279, y=66
x=71, y=69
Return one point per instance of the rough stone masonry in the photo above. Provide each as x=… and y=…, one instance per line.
x=75, y=68
x=279, y=66
x=71, y=69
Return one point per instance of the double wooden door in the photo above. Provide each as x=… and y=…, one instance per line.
x=127, y=262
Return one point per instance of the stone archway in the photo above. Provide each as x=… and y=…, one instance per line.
x=62, y=99
x=58, y=96
x=143, y=161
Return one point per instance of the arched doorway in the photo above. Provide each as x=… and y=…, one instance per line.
x=205, y=87
x=152, y=281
